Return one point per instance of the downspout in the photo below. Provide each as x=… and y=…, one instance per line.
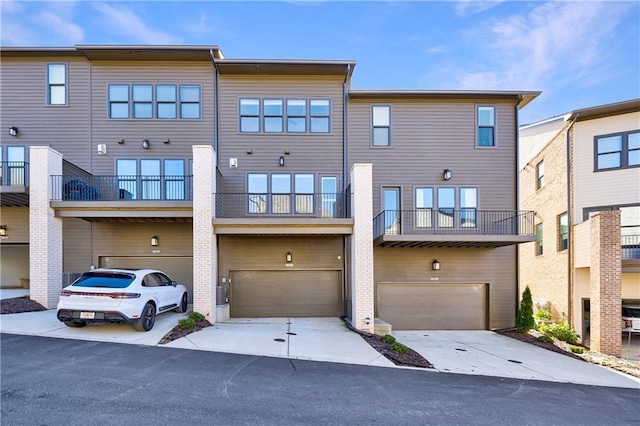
x=215, y=106
x=517, y=138
x=347, y=260
x=570, y=229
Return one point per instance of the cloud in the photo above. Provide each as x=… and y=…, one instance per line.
x=14, y=34
x=466, y=7
x=123, y=20
x=62, y=26
x=10, y=6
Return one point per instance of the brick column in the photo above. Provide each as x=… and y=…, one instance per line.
x=45, y=230
x=205, y=258
x=606, y=283
x=362, y=291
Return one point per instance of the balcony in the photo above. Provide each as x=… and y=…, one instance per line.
x=630, y=248
x=139, y=198
x=14, y=183
x=270, y=213
x=452, y=228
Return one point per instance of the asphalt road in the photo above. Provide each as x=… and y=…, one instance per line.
x=49, y=381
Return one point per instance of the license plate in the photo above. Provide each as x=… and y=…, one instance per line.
x=87, y=315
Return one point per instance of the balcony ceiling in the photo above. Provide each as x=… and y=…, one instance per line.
x=451, y=241
x=14, y=196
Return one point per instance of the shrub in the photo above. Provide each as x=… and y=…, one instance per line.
x=560, y=331
x=387, y=338
x=543, y=314
x=524, y=319
x=576, y=349
x=544, y=338
x=187, y=323
x=400, y=348
x=197, y=316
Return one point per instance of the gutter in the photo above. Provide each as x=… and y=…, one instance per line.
x=215, y=106
x=570, y=229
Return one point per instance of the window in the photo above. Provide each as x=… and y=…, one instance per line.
x=257, y=188
x=538, y=239
x=391, y=203
x=540, y=175
x=617, y=151
x=151, y=179
x=118, y=101
x=13, y=171
x=296, y=115
x=272, y=111
x=166, y=101
x=127, y=171
x=57, y=84
x=329, y=185
x=381, y=120
x=486, y=126
x=320, y=111
x=563, y=232
x=446, y=207
x=281, y=193
x=249, y=115
x=190, y=102
x=468, y=207
x=424, y=207
x=303, y=188
x=142, y=101
x=174, y=180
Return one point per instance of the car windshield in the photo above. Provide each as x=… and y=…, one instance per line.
x=104, y=280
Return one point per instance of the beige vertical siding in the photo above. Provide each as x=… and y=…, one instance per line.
x=311, y=153
x=16, y=219
x=76, y=235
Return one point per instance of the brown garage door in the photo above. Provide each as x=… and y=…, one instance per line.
x=286, y=294
x=179, y=269
x=433, y=306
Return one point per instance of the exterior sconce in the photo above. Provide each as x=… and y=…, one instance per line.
x=167, y=142
x=102, y=149
x=145, y=143
x=13, y=131
x=154, y=241
x=367, y=320
x=288, y=257
x=446, y=175
x=3, y=230
x=435, y=265
x=281, y=161
x=121, y=142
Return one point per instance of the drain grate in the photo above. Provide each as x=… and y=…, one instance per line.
x=279, y=340
x=514, y=361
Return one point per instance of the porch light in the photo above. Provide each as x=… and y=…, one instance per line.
x=3, y=230
x=367, y=320
x=13, y=131
x=288, y=257
x=281, y=161
x=154, y=241
x=145, y=143
x=446, y=175
x=435, y=265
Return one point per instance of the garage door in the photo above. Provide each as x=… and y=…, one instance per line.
x=433, y=306
x=286, y=294
x=178, y=268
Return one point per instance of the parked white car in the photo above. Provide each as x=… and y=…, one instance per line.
x=120, y=296
x=631, y=318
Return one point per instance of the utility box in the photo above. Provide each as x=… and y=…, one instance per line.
x=221, y=295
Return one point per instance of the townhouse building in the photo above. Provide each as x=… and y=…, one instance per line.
x=269, y=187
x=580, y=172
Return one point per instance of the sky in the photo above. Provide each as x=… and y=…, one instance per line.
x=578, y=53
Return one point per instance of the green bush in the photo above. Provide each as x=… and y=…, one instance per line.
x=543, y=314
x=400, y=348
x=560, y=331
x=197, y=316
x=187, y=323
x=544, y=338
x=387, y=338
x=524, y=319
x=576, y=349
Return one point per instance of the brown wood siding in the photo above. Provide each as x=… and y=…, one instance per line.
x=16, y=219
x=428, y=137
x=496, y=267
x=24, y=104
x=76, y=237
x=182, y=133
x=311, y=153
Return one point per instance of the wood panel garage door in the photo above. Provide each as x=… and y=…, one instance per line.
x=179, y=269
x=286, y=294
x=433, y=306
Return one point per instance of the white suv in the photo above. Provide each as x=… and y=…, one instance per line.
x=120, y=296
x=631, y=318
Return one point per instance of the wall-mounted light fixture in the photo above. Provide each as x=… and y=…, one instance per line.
x=435, y=265
x=154, y=241
x=121, y=142
x=446, y=175
x=13, y=131
x=288, y=257
x=281, y=161
x=102, y=148
x=249, y=151
x=3, y=230
x=167, y=142
x=287, y=152
x=145, y=143
x=367, y=320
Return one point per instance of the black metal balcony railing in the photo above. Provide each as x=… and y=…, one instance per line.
x=118, y=188
x=14, y=173
x=242, y=205
x=630, y=246
x=453, y=222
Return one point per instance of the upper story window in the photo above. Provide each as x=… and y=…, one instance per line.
x=486, y=132
x=424, y=207
x=616, y=151
x=118, y=101
x=152, y=179
x=190, y=101
x=270, y=115
x=13, y=166
x=539, y=244
x=146, y=101
x=540, y=175
x=142, y=101
x=56, y=84
x=166, y=106
x=563, y=232
x=381, y=126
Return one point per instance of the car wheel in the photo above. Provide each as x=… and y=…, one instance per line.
x=147, y=319
x=183, y=304
x=75, y=324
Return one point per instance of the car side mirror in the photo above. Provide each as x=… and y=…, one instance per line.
x=173, y=283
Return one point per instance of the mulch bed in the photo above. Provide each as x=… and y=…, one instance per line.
x=528, y=338
x=178, y=332
x=17, y=305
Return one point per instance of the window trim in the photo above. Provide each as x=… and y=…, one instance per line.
x=478, y=126
x=374, y=126
x=624, y=151
x=563, y=236
x=539, y=176
x=49, y=85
